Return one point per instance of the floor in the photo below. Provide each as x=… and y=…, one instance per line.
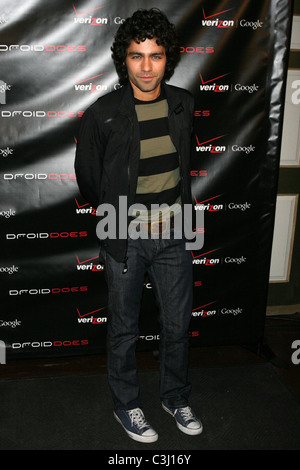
x=280, y=333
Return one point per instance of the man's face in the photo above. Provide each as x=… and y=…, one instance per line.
x=146, y=63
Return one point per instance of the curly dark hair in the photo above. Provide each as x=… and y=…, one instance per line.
x=142, y=25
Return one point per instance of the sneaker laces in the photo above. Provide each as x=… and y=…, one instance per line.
x=137, y=418
x=186, y=413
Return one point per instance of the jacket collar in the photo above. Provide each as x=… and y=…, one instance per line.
x=174, y=101
x=127, y=101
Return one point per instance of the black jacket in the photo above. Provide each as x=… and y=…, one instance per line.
x=108, y=150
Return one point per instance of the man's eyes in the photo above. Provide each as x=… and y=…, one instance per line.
x=155, y=57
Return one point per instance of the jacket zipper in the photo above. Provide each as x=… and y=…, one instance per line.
x=125, y=269
x=179, y=160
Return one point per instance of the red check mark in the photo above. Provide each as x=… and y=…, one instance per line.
x=211, y=140
x=215, y=14
x=89, y=313
x=206, y=200
x=202, y=306
x=79, y=207
x=87, y=260
x=85, y=12
x=86, y=79
x=213, y=79
x=203, y=254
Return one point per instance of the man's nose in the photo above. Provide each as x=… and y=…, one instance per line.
x=146, y=65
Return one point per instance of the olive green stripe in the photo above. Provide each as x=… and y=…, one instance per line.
x=158, y=183
x=157, y=146
x=145, y=112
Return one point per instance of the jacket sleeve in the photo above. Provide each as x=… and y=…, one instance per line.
x=89, y=158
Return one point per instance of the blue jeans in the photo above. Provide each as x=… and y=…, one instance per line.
x=169, y=268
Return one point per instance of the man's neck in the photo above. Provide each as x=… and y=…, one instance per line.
x=146, y=96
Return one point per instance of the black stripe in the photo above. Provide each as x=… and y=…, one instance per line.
x=157, y=165
x=154, y=127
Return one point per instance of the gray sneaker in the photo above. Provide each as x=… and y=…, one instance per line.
x=135, y=424
x=186, y=420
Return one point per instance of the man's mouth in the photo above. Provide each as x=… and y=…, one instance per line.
x=146, y=77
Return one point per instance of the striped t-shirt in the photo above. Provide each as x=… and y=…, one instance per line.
x=159, y=174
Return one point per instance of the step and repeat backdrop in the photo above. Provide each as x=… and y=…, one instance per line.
x=56, y=61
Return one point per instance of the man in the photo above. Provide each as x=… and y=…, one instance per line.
x=134, y=143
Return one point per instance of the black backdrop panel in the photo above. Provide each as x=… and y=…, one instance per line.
x=56, y=61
